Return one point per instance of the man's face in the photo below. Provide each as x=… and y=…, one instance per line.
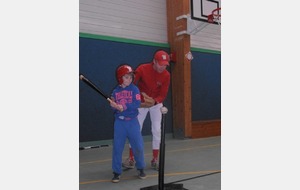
x=159, y=68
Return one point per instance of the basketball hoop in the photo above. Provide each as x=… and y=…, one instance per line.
x=215, y=16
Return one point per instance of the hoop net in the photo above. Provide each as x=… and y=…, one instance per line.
x=215, y=16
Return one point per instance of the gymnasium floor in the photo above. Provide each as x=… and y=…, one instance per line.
x=194, y=163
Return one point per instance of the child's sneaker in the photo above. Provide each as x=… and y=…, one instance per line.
x=128, y=163
x=116, y=178
x=154, y=164
x=141, y=174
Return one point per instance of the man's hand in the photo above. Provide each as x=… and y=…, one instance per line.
x=149, y=102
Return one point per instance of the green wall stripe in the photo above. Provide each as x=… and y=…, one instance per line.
x=205, y=50
x=140, y=42
x=123, y=40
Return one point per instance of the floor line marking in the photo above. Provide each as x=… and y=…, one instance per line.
x=151, y=176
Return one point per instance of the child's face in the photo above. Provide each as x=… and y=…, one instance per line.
x=127, y=79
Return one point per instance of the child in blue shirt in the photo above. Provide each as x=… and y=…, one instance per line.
x=125, y=102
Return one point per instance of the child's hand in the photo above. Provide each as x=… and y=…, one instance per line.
x=120, y=107
x=115, y=105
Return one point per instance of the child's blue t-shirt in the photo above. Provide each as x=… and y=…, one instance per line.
x=129, y=97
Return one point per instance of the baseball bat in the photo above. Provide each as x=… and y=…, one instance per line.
x=90, y=147
x=93, y=86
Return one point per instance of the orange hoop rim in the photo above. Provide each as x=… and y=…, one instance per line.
x=215, y=16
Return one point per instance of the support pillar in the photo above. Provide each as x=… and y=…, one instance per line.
x=181, y=69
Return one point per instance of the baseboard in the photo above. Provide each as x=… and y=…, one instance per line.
x=207, y=128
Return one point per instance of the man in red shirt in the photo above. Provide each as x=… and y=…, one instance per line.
x=153, y=81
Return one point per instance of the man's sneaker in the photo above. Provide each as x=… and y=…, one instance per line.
x=128, y=163
x=141, y=174
x=116, y=178
x=154, y=164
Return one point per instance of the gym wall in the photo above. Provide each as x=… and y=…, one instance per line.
x=206, y=86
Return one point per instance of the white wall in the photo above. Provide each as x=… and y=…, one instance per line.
x=144, y=20
x=208, y=38
x=133, y=19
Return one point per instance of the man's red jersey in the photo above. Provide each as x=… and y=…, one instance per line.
x=151, y=82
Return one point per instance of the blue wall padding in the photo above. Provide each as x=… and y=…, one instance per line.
x=206, y=86
x=98, y=60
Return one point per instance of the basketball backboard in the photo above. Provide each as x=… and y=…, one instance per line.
x=200, y=9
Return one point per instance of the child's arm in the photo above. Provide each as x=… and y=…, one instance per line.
x=115, y=105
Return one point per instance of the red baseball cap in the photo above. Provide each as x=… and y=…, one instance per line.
x=162, y=58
